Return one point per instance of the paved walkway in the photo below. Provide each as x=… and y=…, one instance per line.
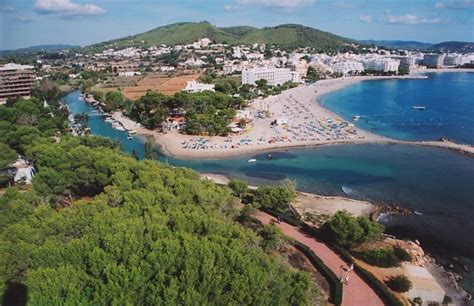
x=356, y=292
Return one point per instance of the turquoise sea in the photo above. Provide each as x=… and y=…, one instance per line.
x=437, y=183
x=385, y=107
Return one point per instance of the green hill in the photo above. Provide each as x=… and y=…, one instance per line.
x=288, y=35
x=454, y=46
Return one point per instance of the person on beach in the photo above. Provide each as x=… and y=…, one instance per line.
x=346, y=280
x=351, y=267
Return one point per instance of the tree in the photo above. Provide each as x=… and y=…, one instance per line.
x=349, y=231
x=399, y=283
x=150, y=152
x=261, y=84
x=144, y=234
x=8, y=156
x=242, y=123
x=239, y=187
x=279, y=197
x=113, y=100
x=312, y=75
x=403, y=70
x=87, y=86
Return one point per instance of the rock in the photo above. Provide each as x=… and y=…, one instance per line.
x=466, y=268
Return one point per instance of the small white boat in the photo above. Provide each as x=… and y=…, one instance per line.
x=355, y=118
x=129, y=137
x=252, y=160
x=418, y=107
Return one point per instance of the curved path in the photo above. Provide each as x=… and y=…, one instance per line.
x=356, y=292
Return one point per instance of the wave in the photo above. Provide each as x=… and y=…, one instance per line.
x=347, y=190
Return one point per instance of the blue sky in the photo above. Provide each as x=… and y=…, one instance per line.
x=33, y=22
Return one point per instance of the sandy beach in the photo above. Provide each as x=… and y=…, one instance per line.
x=307, y=124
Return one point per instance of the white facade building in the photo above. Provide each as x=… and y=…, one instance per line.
x=274, y=76
x=433, y=60
x=347, y=67
x=193, y=86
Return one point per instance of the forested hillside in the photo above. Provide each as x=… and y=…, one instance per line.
x=98, y=227
x=287, y=35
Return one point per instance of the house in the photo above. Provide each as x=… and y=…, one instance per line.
x=193, y=86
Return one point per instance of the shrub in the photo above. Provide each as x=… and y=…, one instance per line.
x=239, y=187
x=402, y=254
x=272, y=238
x=349, y=231
x=399, y=283
x=275, y=197
x=447, y=300
x=384, y=258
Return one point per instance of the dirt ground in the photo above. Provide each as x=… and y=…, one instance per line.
x=159, y=83
x=317, y=209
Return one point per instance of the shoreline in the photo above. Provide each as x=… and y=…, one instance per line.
x=308, y=102
x=307, y=204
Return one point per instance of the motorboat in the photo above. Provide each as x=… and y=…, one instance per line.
x=418, y=107
x=355, y=118
x=252, y=160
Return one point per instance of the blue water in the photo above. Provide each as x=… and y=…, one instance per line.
x=385, y=107
x=437, y=183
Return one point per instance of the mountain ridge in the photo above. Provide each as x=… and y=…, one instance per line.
x=285, y=35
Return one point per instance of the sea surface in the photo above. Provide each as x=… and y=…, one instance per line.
x=385, y=106
x=437, y=183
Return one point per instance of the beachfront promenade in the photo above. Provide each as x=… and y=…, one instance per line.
x=356, y=292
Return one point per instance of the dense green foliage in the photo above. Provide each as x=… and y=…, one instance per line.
x=99, y=227
x=349, y=231
x=402, y=254
x=384, y=258
x=399, y=283
x=238, y=186
x=275, y=197
x=286, y=36
x=207, y=113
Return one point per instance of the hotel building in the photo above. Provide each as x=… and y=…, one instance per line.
x=433, y=60
x=16, y=81
x=274, y=76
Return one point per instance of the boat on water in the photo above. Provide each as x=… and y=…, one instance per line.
x=419, y=107
x=129, y=137
x=252, y=160
x=355, y=118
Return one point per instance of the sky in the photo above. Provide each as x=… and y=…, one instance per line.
x=80, y=22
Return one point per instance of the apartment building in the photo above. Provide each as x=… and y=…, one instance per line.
x=433, y=60
x=274, y=76
x=16, y=81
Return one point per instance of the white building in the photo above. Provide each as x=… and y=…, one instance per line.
x=385, y=65
x=274, y=76
x=129, y=73
x=166, y=68
x=193, y=86
x=433, y=60
x=348, y=67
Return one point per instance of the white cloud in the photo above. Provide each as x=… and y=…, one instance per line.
x=366, y=19
x=455, y=4
x=66, y=8
x=278, y=3
x=410, y=19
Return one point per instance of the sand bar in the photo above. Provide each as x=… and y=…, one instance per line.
x=308, y=124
